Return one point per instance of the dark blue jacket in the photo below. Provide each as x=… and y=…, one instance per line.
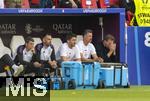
x=37, y=55
x=19, y=56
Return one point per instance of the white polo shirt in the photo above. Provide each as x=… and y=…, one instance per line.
x=86, y=50
x=71, y=53
x=46, y=53
x=27, y=55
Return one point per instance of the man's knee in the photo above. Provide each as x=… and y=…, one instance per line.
x=5, y=56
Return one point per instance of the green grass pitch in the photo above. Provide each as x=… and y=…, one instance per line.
x=135, y=93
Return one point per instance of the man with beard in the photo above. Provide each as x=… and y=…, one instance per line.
x=45, y=54
x=69, y=51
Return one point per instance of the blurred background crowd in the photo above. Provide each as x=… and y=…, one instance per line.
x=127, y=4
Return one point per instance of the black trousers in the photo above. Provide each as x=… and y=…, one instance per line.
x=52, y=70
x=45, y=65
x=30, y=68
x=5, y=60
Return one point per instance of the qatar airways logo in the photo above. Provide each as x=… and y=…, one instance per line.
x=8, y=28
x=63, y=28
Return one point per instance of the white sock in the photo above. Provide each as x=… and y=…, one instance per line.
x=14, y=67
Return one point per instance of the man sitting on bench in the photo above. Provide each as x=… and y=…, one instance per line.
x=25, y=57
x=87, y=49
x=107, y=49
x=45, y=54
x=69, y=51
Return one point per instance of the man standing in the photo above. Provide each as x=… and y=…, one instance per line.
x=87, y=49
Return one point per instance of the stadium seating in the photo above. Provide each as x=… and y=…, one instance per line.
x=37, y=41
x=1, y=43
x=4, y=50
x=7, y=51
x=79, y=38
x=56, y=42
x=16, y=41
